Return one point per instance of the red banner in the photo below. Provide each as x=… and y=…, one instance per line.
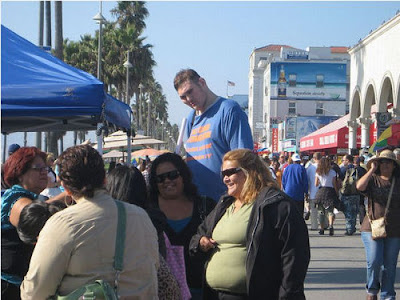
x=275, y=140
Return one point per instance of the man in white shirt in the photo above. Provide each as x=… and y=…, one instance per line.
x=312, y=189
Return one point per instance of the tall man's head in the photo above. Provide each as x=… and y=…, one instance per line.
x=193, y=90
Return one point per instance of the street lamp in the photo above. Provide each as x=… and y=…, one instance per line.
x=139, y=104
x=148, y=116
x=127, y=65
x=99, y=20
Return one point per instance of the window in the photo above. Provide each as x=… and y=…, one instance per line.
x=320, y=81
x=319, y=109
x=292, y=80
x=292, y=108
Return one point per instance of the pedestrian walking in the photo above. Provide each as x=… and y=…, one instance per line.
x=381, y=185
x=350, y=197
x=312, y=189
x=326, y=196
x=295, y=182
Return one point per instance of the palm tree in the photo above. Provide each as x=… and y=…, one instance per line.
x=131, y=13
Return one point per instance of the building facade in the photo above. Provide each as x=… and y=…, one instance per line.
x=375, y=82
x=303, y=89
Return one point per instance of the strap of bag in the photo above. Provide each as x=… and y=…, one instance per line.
x=390, y=197
x=119, y=242
x=387, y=204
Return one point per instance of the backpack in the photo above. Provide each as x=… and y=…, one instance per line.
x=349, y=182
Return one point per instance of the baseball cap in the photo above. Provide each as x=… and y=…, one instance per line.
x=12, y=148
x=296, y=157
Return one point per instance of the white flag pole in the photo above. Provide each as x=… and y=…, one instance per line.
x=180, y=138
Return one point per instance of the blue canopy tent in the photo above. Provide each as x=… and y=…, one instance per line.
x=39, y=92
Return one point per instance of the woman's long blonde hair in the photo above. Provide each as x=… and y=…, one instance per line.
x=257, y=174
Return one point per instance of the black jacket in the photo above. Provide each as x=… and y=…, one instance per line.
x=278, y=249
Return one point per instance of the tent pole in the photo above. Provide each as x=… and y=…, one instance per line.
x=4, y=147
x=129, y=147
x=100, y=140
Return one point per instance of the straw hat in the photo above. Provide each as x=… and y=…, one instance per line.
x=385, y=154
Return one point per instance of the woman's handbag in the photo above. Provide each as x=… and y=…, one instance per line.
x=378, y=226
x=176, y=262
x=100, y=289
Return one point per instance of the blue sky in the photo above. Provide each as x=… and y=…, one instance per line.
x=217, y=38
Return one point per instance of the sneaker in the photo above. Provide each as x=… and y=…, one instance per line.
x=307, y=215
x=331, y=231
x=348, y=233
x=321, y=232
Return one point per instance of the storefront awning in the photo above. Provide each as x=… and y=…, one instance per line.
x=333, y=135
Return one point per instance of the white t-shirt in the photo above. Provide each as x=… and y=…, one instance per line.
x=311, y=172
x=326, y=180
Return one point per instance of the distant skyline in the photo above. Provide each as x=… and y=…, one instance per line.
x=217, y=38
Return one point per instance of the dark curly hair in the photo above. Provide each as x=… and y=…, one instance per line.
x=19, y=163
x=189, y=189
x=33, y=217
x=81, y=170
x=126, y=183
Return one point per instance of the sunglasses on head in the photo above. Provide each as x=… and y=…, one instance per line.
x=172, y=175
x=231, y=171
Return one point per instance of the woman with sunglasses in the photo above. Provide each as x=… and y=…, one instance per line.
x=255, y=238
x=25, y=171
x=172, y=191
x=381, y=254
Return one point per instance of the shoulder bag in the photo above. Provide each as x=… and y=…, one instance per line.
x=101, y=289
x=378, y=226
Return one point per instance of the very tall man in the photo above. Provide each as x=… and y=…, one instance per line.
x=215, y=126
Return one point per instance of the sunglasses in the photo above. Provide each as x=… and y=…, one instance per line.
x=385, y=161
x=230, y=172
x=172, y=175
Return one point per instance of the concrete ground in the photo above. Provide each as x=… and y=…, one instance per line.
x=337, y=268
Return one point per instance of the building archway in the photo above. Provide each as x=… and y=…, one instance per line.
x=355, y=112
x=365, y=118
x=386, y=94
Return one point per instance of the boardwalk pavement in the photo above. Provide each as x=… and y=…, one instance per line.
x=337, y=267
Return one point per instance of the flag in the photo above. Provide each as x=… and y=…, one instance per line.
x=230, y=83
x=382, y=141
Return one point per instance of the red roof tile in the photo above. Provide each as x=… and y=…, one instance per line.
x=339, y=49
x=272, y=47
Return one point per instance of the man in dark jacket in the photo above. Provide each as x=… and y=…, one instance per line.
x=277, y=244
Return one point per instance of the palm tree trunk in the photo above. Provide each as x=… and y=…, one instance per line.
x=48, y=23
x=52, y=143
x=41, y=22
x=58, y=30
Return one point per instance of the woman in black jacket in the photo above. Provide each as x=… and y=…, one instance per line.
x=255, y=238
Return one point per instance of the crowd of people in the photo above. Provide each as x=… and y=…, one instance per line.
x=221, y=223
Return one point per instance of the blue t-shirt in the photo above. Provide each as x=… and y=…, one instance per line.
x=295, y=181
x=222, y=127
x=8, y=200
